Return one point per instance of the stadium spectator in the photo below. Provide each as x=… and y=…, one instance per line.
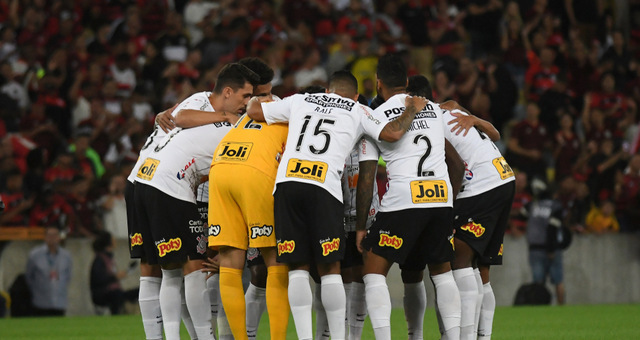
x=528, y=144
x=522, y=197
x=114, y=210
x=567, y=148
x=627, y=195
x=48, y=274
x=602, y=219
x=17, y=205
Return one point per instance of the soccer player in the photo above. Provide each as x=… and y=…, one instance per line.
x=165, y=199
x=241, y=216
x=413, y=226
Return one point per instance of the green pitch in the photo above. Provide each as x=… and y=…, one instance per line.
x=566, y=323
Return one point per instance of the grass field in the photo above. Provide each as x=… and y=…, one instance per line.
x=568, y=322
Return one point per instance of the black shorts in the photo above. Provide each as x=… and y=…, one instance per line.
x=136, y=248
x=352, y=256
x=480, y=221
x=173, y=226
x=254, y=257
x=412, y=238
x=308, y=224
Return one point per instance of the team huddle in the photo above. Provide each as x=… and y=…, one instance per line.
x=237, y=176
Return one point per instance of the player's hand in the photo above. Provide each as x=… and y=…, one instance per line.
x=462, y=123
x=165, y=120
x=231, y=118
x=360, y=234
x=211, y=266
x=416, y=101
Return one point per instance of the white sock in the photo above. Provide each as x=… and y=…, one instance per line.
x=186, y=317
x=300, y=300
x=170, y=290
x=347, y=293
x=148, y=299
x=334, y=301
x=378, y=305
x=322, y=325
x=198, y=302
x=214, y=297
x=256, y=302
x=448, y=298
x=415, y=304
x=357, y=310
x=486, y=313
x=466, y=282
x=476, y=271
x=224, y=331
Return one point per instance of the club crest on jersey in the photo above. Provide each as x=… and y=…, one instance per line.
x=286, y=247
x=173, y=244
x=387, y=240
x=265, y=230
x=501, y=248
x=182, y=173
x=252, y=254
x=299, y=168
x=504, y=169
x=330, y=246
x=202, y=244
x=474, y=228
x=136, y=240
x=148, y=169
x=232, y=151
x=429, y=191
x=214, y=230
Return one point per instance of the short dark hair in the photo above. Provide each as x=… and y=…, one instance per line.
x=260, y=68
x=313, y=89
x=235, y=76
x=419, y=86
x=102, y=241
x=392, y=71
x=345, y=81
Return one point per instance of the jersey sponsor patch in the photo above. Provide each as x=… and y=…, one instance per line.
x=286, y=247
x=474, y=228
x=136, y=240
x=258, y=231
x=330, y=246
x=234, y=152
x=173, y=244
x=504, y=169
x=299, y=168
x=214, y=230
x=387, y=240
x=148, y=169
x=429, y=191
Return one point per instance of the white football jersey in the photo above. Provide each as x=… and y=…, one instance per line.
x=485, y=168
x=349, y=185
x=177, y=163
x=323, y=128
x=416, y=168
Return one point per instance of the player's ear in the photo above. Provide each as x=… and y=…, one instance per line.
x=227, y=92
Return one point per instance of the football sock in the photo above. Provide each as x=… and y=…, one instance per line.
x=255, y=298
x=335, y=304
x=378, y=305
x=415, y=304
x=186, y=317
x=357, y=310
x=195, y=288
x=170, y=290
x=148, y=298
x=466, y=282
x=322, y=325
x=277, y=301
x=224, y=331
x=214, y=297
x=448, y=299
x=476, y=271
x=486, y=313
x=300, y=300
x=347, y=293
x=232, y=294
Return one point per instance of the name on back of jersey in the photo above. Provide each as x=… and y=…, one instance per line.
x=234, y=151
x=331, y=102
x=300, y=168
x=435, y=191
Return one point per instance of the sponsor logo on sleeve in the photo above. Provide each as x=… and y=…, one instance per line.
x=474, y=228
x=173, y=244
x=286, y=247
x=148, y=169
x=429, y=191
x=387, y=240
x=314, y=171
x=330, y=246
x=214, y=230
x=259, y=231
x=136, y=240
x=234, y=152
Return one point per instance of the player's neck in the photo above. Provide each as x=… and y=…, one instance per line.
x=390, y=92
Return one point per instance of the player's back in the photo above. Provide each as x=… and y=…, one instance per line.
x=254, y=144
x=485, y=167
x=416, y=168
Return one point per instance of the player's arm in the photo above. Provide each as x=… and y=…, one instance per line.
x=188, y=118
x=465, y=123
x=455, y=166
x=364, y=196
x=254, y=109
x=393, y=131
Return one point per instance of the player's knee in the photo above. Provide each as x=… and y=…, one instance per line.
x=412, y=276
x=259, y=275
x=439, y=268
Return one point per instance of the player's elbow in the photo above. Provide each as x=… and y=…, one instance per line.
x=390, y=136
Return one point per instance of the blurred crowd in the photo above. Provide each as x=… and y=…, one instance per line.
x=81, y=82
